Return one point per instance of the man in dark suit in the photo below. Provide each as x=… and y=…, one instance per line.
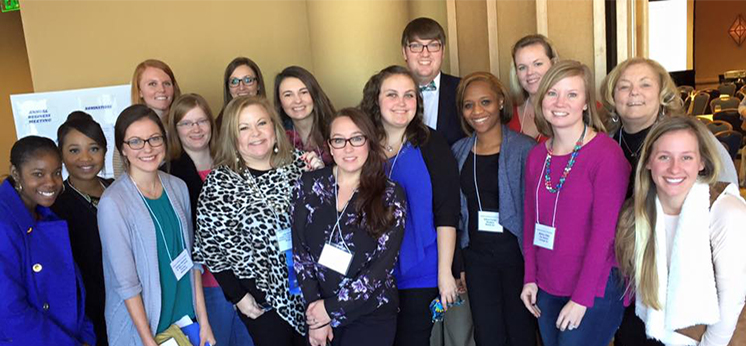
x=423, y=44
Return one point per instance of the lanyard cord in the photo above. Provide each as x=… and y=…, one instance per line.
x=398, y=152
x=337, y=226
x=158, y=223
x=476, y=186
x=265, y=200
x=554, y=213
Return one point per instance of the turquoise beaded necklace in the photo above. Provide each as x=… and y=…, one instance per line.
x=568, y=167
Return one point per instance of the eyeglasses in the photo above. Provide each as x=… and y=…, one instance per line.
x=248, y=80
x=355, y=141
x=432, y=47
x=190, y=124
x=139, y=143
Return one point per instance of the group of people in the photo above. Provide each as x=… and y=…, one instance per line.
x=293, y=223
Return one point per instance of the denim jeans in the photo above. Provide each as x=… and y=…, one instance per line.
x=226, y=325
x=598, y=324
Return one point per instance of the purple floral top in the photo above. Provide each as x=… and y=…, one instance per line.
x=369, y=288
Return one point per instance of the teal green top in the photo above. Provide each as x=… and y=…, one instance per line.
x=176, y=297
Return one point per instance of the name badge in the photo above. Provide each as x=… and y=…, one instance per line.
x=489, y=221
x=181, y=265
x=544, y=236
x=285, y=240
x=335, y=259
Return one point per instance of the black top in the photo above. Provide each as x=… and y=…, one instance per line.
x=184, y=169
x=368, y=290
x=632, y=147
x=449, y=123
x=503, y=246
x=443, y=171
x=80, y=213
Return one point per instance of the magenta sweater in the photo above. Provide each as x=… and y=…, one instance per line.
x=587, y=212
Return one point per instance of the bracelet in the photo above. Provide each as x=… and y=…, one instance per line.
x=321, y=326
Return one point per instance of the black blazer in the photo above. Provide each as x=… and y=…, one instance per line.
x=449, y=124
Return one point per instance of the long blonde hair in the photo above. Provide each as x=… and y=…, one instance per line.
x=635, y=238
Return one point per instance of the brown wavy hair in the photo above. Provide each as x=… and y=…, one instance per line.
x=417, y=132
x=376, y=218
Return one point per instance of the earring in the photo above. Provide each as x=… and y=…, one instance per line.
x=276, y=150
x=19, y=187
x=614, y=117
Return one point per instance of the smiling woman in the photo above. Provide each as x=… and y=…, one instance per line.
x=43, y=300
x=146, y=234
x=83, y=146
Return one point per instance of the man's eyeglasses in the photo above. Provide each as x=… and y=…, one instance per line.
x=248, y=80
x=139, y=143
x=355, y=141
x=432, y=47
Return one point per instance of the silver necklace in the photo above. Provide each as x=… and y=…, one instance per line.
x=622, y=141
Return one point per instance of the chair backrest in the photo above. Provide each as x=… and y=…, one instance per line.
x=719, y=126
x=727, y=88
x=732, y=141
x=731, y=117
x=704, y=120
x=740, y=95
x=722, y=103
x=699, y=104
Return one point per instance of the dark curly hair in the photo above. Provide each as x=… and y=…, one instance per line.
x=417, y=132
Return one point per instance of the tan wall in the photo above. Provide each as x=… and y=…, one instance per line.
x=78, y=44
x=473, y=44
x=16, y=79
x=714, y=50
x=571, y=29
x=515, y=20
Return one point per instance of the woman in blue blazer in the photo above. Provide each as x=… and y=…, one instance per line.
x=42, y=292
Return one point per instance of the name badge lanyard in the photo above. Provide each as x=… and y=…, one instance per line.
x=184, y=256
x=393, y=164
x=283, y=243
x=544, y=235
x=488, y=221
x=335, y=257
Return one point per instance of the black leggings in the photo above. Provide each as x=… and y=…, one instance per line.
x=366, y=332
x=269, y=329
x=414, y=323
x=499, y=316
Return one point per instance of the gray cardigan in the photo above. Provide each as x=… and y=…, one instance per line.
x=512, y=162
x=130, y=255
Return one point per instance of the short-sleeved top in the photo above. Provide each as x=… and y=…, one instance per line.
x=368, y=290
x=176, y=296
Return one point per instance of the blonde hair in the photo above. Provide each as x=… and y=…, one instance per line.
x=559, y=71
x=181, y=106
x=635, y=238
x=671, y=103
x=519, y=94
x=227, y=152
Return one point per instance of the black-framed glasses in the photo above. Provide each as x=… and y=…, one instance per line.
x=139, y=143
x=190, y=124
x=431, y=47
x=355, y=141
x=247, y=80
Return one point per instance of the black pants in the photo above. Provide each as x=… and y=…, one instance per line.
x=269, y=329
x=366, y=332
x=632, y=331
x=499, y=316
x=414, y=323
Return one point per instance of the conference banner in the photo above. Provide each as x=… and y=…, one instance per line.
x=41, y=114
